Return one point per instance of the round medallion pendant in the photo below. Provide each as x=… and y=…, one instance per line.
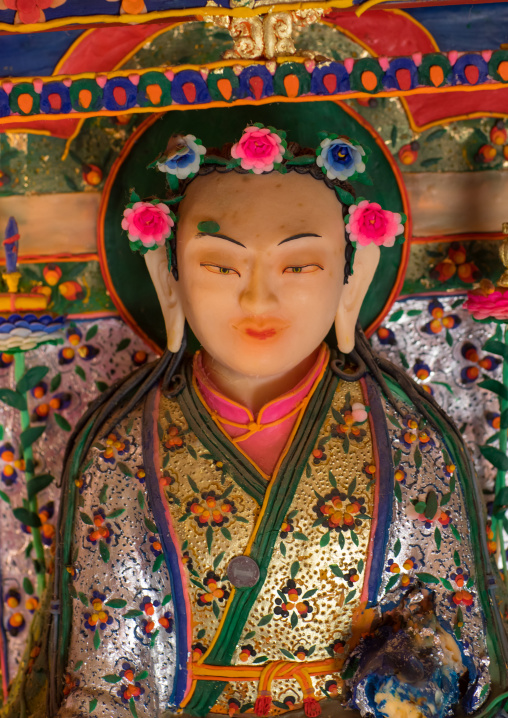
x=243, y=572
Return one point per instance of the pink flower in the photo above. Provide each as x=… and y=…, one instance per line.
x=147, y=223
x=258, y=149
x=359, y=413
x=368, y=224
x=28, y=11
x=488, y=303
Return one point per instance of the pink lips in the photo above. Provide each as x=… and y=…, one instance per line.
x=261, y=328
x=264, y=334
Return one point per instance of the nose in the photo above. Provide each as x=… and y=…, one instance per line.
x=257, y=296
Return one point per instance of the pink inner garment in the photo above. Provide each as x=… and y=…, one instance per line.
x=264, y=441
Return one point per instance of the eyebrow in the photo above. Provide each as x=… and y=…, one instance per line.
x=298, y=236
x=221, y=236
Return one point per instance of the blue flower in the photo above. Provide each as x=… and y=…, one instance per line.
x=339, y=158
x=183, y=157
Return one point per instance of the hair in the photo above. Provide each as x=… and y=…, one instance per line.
x=313, y=170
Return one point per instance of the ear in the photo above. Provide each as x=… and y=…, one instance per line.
x=167, y=291
x=353, y=293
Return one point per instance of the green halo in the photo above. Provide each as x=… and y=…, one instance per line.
x=125, y=272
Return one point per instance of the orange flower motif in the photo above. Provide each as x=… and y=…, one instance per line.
x=455, y=263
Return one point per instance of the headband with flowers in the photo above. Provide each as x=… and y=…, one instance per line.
x=260, y=149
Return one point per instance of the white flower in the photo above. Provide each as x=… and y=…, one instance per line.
x=184, y=159
x=340, y=158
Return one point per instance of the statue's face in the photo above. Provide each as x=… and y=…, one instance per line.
x=262, y=293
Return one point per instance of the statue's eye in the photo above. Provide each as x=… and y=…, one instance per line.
x=217, y=269
x=302, y=269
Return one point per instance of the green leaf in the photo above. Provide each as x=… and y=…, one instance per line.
x=299, y=536
x=418, y=458
x=397, y=491
x=96, y=639
x=249, y=635
x=151, y=526
x=342, y=540
x=397, y=456
x=446, y=584
x=192, y=452
x=153, y=637
x=13, y=398
x=427, y=578
x=37, y=484
x=345, y=196
x=226, y=533
x=116, y=603
x=31, y=378
x=29, y=518
x=496, y=457
x=445, y=498
x=350, y=596
x=456, y=558
x=133, y=613
x=396, y=315
x=218, y=559
x=294, y=619
x=354, y=537
x=336, y=570
x=141, y=676
x=431, y=505
x=455, y=532
x=28, y=436
x=436, y=135
x=414, y=312
x=396, y=548
x=247, y=706
x=282, y=548
x=449, y=338
x=83, y=598
x=92, y=705
x=495, y=386
x=266, y=619
x=80, y=372
x=28, y=586
x=325, y=539
x=289, y=655
x=85, y=518
x=430, y=161
x=394, y=421
x=494, y=346
x=111, y=678
x=331, y=479
x=167, y=599
x=115, y=514
x=101, y=386
x=124, y=469
x=437, y=538
x=122, y=345
x=295, y=567
x=103, y=496
x=209, y=538
x=351, y=488
x=91, y=333
x=157, y=563
x=4, y=497
x=391, y=582
x=309, y=594
x=78, y=665
x=192, y=484
x=132, y=707
x=62, y=422
x=403, y=359
x=104, y=551
x=393, y=136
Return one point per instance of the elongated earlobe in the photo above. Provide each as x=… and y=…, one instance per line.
x=353, y=294
x=169, y=299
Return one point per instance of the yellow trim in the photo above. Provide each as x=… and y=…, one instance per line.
x=367, y=5
x=71, y=49
x=340, y=97
x=143, y=18
x=277, y=669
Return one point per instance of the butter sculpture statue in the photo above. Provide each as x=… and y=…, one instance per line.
x=274, y=523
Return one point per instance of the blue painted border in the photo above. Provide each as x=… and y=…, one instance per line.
x=386, y=486
x=169, y=549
